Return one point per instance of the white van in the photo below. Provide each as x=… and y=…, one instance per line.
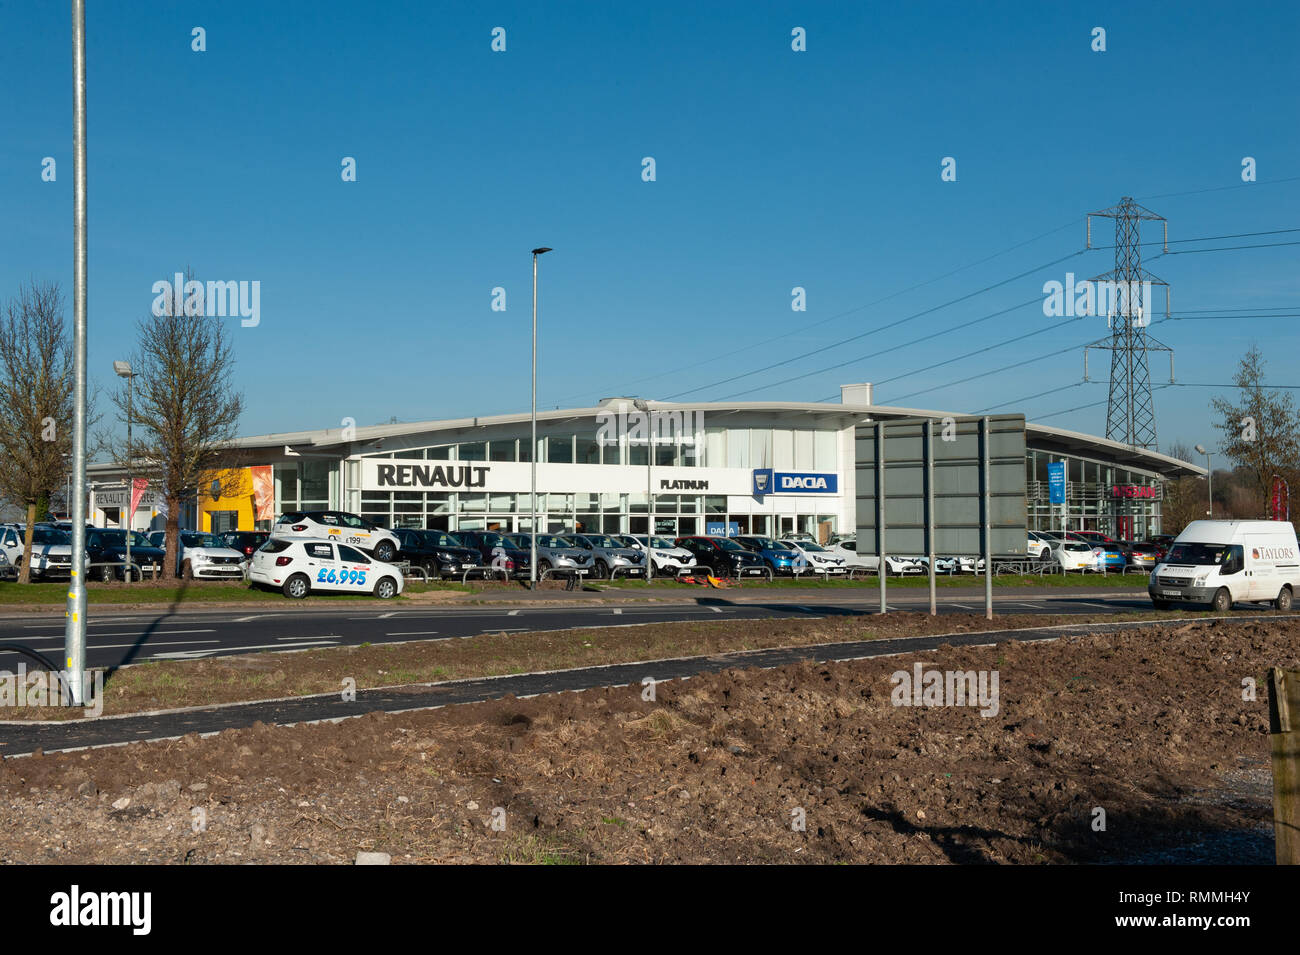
x=1222, y=562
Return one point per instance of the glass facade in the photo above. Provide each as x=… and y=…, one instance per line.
x=1122, y=503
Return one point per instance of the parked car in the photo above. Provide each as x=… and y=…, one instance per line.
x=439, y=554
x=780, y=559
x=1040, y=546
x=1218, y=563
x=498, y=552
x=1075, y=555
x=723, y=557
x=341, y=526
x=556, y=554
x=1143, y=555
x=298, y=566
x=203, y=556
x=244, y=541
x=818, y=559
x=108, y=546
x=51, y=550
x=667, y=556
x=609, y=557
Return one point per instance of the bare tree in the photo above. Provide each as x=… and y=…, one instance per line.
x=1261, y=431
x=1184, y=497
x=184, y=411
x=36, y=363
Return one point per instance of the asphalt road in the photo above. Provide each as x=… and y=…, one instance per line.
x=120, y=638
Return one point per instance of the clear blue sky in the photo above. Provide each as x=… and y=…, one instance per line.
x=775, y=169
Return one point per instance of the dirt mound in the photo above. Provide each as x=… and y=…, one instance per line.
x=803, y=763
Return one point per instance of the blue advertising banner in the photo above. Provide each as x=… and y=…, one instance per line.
x=762, y=481
x=719, y=529
x=1056, y=482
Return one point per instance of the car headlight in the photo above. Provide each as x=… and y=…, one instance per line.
x=1200, y=581
x=202, y=558
x=443, y=555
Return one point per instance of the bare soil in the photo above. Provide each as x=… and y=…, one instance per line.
x=1149, y=726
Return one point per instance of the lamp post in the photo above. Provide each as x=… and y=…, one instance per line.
x=532, y=455
x=123, y=370
x=644, y=406
x=1209, y=476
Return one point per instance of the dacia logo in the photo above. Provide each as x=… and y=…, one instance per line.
x=794, y=482
x=760, y=481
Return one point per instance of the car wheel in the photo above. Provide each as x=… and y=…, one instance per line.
x=106, y=574
x=1283, y=601
x=384, y=552
x=1045, y=554
x=602, y=570
x=297, y=586
x=187, y=571
x=1222, y=602
x=543, y=568
x=386, y=589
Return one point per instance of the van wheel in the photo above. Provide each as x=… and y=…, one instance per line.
x=386, y=588
x=1222, y=601
x=297, y=586
x=1283, y=602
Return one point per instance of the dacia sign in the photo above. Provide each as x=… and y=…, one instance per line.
x=767, y=481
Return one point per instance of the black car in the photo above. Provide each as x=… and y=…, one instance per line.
x=439, y=553
x=724, y=557
x=244, y=541
x=108, y=546
x=485, y=542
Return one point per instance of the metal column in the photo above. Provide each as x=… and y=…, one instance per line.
x=929, y=510
x=987, y=547
x=881, y=570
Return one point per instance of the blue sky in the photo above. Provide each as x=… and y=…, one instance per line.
x=775, y=169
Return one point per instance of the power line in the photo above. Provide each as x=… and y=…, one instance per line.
x=1229, y=248
x=1239, y=185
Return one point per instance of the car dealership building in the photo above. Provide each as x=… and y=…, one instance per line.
x=764, y=468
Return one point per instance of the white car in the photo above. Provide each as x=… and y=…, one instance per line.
x=51, y=549
x=1039, y=546
x=847, y=548
x=339, y=526
x=667, y=556
x=817, y=558
x=1075, y=555
x=203, y=556
x=299, y=566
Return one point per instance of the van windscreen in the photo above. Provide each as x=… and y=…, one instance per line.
x=1189, y=552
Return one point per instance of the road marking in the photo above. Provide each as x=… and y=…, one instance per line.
x=411, y=633
x=246, y=619
x=513, y=613
x=195, y=654
x=618, y=611
x=323, y=636
x=156, y=633
x=122, y=646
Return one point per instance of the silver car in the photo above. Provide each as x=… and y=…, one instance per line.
x=609, y=557
x=555, y=553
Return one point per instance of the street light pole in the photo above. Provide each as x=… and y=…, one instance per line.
x=1209, y=476
x=123, y=370
x=644, y=406
x=74, y=638
x=532, y=455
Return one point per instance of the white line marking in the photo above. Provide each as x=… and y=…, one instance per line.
x=411, y=633
x=323, y=636
x=618, y=611
x=121, y=646
x=513, y=613
x=194, y=654
x=246, y=619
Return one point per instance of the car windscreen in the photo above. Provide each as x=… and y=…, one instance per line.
x=726, y=543
x=200, y=540
x=439, y=539
x=811, y=547
x=600, y=540
x=47, y=535
x=117, y=538
x=1076, y=545
x=661, y=542
x=1189, y=552
x=546, y=540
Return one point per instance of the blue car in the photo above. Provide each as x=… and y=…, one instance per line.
x=1113, y=558
x=778, y=558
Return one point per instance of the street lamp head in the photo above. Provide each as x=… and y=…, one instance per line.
x=1201, y=450
x=123, y=369
x=541, y=251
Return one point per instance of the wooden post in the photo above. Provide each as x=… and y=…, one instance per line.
x=1284, y=730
